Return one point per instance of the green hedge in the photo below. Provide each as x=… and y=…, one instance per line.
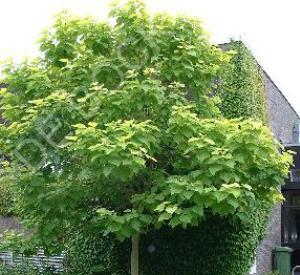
x=219, y=246
x=92, y=253
x=27, y=269
x=6, y=196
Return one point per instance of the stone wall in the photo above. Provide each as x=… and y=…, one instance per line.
x=281, y=117
x=271, y=240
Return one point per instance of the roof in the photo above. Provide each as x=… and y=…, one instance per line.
x=288, y=145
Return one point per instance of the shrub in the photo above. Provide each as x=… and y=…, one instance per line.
x=219, y=246
x=27, y=269
x=89, y=254
x=6, y=192
x=92, y=253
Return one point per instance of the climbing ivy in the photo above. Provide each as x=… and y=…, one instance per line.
x=241, y=86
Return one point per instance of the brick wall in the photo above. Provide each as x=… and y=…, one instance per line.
x=281, y=114
x=282, y=117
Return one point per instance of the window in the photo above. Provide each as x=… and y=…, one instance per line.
x=295, y=175
x=291, y=218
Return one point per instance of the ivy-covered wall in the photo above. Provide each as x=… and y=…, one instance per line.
x=242, y=88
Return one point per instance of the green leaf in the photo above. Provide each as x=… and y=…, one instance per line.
x=92, y=124
x=188, y=194
x=79, y=126
x=107, y=170
x=185, y=218
x=161, y=207
x=198, y=210
x=164, y=216
x=214, y=169
x=171, y=209
x=136, y=225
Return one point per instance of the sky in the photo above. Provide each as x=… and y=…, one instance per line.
x=270, y=28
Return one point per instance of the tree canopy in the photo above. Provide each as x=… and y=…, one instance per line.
x=116, y=126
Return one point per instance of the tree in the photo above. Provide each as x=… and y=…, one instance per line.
x=115, y=126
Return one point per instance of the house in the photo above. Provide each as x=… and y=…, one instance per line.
x=284, y=224
x=290, y=211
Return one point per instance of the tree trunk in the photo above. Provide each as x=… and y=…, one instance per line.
x=135, y=254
